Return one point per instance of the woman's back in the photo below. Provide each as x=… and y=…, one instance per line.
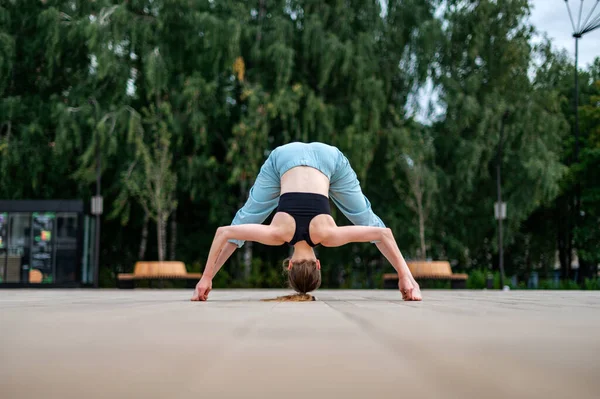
x=304, y=179
x=305, y=167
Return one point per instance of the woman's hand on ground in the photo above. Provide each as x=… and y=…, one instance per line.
x=202, y=290
x=408, y=290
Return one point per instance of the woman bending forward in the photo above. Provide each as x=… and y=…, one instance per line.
x=299, y=179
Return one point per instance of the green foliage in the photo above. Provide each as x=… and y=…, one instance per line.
x=435, y=284
x=477, y=279
x=183, y=100
x=107, y=278
x=569, y=285
x=411, y=165
x=153, y=183
x=265, y=275
x=587, y=233
x=223, y=279
x=486, y=89
x=561, y=285
x=591, y=284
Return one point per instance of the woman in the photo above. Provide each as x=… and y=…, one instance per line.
x=299, y=179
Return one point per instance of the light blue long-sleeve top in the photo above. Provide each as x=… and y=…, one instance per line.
x=344, y=187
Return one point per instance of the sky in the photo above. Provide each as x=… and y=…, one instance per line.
x=552, y=17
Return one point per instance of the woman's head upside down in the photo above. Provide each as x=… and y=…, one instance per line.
x=304, y=276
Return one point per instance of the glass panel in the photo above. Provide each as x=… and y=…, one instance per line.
x=3, y=243
x=90, y=249
x=42, y=247
x=3, y=230
x=17, y=262
x=67, y=230
x=86, y=274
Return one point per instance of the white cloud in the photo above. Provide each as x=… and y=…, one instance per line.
x=552, y=17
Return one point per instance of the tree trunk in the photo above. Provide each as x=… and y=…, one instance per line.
x=247, y=260
x=144, y=240
x=418, y=193
x=8, y=128
x=564, y=236
x=173, y=242
x=422, y=234
x=261, y=15
x=164, y=238
x=160, y=237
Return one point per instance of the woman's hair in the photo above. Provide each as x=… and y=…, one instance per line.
x=292, y=298
x=303, y=277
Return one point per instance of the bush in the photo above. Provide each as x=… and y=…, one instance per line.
x=222, y=279
x=267, y=276
x=434, y=284
x=378, y=280
x=106, y=278
x=591, y=284
x=569, y=285
x=477, y=279
x=548, y=284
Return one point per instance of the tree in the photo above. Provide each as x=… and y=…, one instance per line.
x=413, y=154
x=35, y=74
x=150, y=178
x=483, y=75
x=587, y=233
x=220, y=84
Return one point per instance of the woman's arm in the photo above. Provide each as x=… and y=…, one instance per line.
x=228, y=249
x=264, y=234
x=338, y=236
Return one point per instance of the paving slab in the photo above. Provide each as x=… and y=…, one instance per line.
x=347, y=344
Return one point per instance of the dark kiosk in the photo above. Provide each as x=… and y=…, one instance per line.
x=45, y=243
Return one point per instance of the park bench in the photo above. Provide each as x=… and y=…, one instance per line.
x=152, y=271
x=438, y=270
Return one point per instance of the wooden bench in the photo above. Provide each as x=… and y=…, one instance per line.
x=437, y=270
x=167, y=270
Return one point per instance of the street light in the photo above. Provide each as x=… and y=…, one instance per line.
x=590, y=24
x=97, y=202
x=500, y=207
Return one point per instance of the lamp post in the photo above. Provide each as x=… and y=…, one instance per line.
x=500, y=207
x=97, y=210
x=97, y=203
x=590, y=24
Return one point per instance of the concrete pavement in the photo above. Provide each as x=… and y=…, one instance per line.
x=347, y=344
